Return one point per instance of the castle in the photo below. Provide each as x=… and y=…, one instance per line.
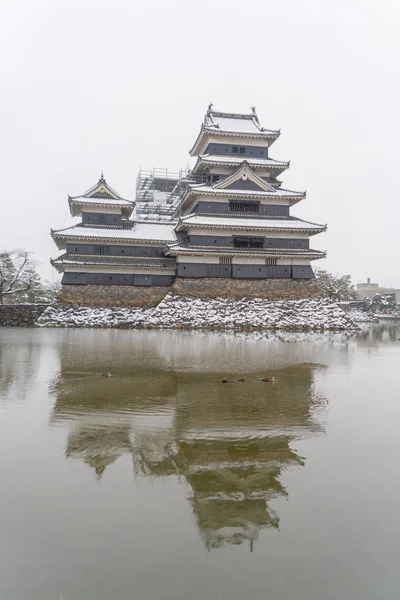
x=228, y=217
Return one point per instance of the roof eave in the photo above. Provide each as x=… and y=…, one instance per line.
x=311, y=255
x=65, y=238
x=182, y=224
x=190, y=191
x=266, y=135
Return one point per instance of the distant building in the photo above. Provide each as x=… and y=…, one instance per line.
x=369, y=290
x=228, y=217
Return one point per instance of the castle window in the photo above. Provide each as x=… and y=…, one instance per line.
x=242, y=150
x=270, y=262
x=101, y=249
x=235, y=149
x=244, y=207
x=225, y=260
x=248, y=242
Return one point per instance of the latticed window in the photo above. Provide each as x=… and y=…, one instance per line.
x=248, y=242
x=102, y=249
x=270, y=261
x=245, y=207
x=225, y=260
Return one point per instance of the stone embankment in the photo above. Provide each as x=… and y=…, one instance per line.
x=182, y=312
x=20, y=315
x=112, y=296
x=359, y=311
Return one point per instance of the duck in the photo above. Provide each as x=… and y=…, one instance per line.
x=225, y=380
x=268, y=379
x=242, y=379
x=108, y=374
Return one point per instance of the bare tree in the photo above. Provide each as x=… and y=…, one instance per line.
x=17, y=274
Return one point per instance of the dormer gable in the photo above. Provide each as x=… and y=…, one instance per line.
x=244, y=178
x=101, y=190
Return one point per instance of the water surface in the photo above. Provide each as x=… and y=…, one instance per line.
x=162, y=482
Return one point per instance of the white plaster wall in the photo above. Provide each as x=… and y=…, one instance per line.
x=110, y=210
x=210, y=260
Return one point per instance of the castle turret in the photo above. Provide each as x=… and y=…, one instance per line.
x=234, y=217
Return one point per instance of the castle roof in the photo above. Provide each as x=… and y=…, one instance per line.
x=248, y=223
x=102, y=195
x=185, y=248
x=141, y=231
x=111, y=261
x=236, y=161
x=236, y=124
x=243, y=183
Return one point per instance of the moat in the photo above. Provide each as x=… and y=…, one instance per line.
x=162, y=482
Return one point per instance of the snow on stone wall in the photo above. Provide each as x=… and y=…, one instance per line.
x=188, y=313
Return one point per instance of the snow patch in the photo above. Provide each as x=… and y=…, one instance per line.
x=177, y=312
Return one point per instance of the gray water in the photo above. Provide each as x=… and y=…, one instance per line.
x=163, y=482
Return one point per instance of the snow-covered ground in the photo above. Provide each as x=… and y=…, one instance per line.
x=362, y=316
x=188, y=313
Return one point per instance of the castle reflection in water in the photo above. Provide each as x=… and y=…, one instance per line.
x=230, y=443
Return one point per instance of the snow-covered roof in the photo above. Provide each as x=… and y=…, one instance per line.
x=149, y=232
x=101, y=201
x=111, y=261
x=185, y=248
x=273, y=193
x=236, y=123
x=101, y=195
x=232, y=124
x=101, y=189
x=214, y=159
x=289, y=224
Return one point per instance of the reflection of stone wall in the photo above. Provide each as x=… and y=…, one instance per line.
x=272, y=289
x=20, y=315
x=112, y=295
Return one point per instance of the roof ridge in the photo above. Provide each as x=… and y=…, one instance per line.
x=101, y=181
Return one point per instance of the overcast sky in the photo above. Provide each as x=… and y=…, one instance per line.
x=88, y=85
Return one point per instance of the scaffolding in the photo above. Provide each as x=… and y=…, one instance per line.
x=159, y=192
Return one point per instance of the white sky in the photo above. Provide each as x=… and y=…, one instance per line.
x=87, y=85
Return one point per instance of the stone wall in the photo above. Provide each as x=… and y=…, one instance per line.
x=362, y=305
x=270, y=289
x=112, y=295
x=20, y=315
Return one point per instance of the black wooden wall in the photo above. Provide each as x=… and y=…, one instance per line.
x=228, y=241
x=111, y=250
x=224, y=208
x=117, y=279
x=228, y=150
x=89, y=218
